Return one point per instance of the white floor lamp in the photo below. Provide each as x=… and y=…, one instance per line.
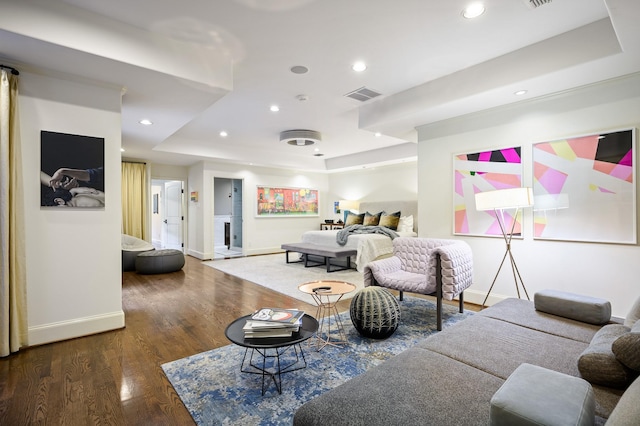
x=499, y=201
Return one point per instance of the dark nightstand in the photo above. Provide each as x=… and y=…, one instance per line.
x=329, y=226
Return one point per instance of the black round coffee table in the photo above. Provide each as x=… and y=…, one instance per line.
x=272, y=348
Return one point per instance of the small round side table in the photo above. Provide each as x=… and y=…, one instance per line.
x=275, y=345
x=327, y=294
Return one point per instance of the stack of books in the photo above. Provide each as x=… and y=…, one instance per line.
x=273, y=322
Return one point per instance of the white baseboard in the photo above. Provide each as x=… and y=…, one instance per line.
x=200, y=255
x=76, y=327
x=271, y=250
x=477, y=297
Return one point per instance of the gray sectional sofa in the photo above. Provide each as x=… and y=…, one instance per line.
x=450, y=377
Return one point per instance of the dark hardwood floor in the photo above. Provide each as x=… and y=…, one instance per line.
x=115, y=378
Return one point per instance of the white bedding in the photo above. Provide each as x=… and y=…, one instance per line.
x=369, y=246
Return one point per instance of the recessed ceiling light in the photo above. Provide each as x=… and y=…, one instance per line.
x=121, y=149
x=274, y=108
x=317, y=149
x=359, y=66
x=520, y=92
x=378, y=134
x=146, y=122
x=473, y=10
x=224, y=134
x=299, y=69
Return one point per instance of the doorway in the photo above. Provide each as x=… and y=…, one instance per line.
x=167, y=218
x=227, y=217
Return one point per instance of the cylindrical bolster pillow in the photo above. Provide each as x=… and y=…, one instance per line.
x=587, y=309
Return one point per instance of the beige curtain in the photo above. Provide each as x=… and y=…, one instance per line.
x=13, y=282
x=134, y=199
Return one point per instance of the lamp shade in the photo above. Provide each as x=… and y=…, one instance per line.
x=504, y=199
x=350, y=205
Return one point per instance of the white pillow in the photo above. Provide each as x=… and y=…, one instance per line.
x=406, y=234
x=405, y=224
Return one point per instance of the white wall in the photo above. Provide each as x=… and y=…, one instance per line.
x=156, y=218
x=73, y=257
x=397, y=182
x=261, y=235
x=198, y=229
x=222, y=197
x=603, y=270
x=266, y=235
x=168, y=172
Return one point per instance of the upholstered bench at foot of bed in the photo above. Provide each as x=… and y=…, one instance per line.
x=326, y=252
x=159, y=261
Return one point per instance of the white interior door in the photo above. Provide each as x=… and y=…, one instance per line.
x=172, y=226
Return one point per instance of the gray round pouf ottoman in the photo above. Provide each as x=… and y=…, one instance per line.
x=129, y=259
x=375, y=312
x=159, y=261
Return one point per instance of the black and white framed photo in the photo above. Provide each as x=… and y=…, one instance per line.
x=71, y=171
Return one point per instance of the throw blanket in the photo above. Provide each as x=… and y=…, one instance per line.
x=343, y=234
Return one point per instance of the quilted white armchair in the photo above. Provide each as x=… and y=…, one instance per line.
x=436, y=267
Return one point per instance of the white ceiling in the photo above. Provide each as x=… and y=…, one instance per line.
x=197, y=67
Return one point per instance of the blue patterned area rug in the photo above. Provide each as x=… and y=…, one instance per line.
x=215, y=392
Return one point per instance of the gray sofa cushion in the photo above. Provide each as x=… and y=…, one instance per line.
x=599, y=365
x=626, y=348
x=416, y=387
x=499, y=347
x=536, y=396
x=522, y=312
x=587, y=309
x=627, y=411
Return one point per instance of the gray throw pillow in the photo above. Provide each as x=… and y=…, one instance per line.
x=626, y=348
x=598, y=365
x=634, y=314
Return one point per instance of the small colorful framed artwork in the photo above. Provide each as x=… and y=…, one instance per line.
x=281, y=202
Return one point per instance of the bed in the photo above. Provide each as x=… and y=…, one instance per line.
x=369, y=246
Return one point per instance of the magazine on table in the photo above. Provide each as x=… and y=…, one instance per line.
x=251, y=325
x=273, y=322
x=258, y=329
x=273, y=332
x=278, y=315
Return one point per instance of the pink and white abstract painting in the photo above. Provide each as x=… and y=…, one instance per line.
x=584, y=188
x=480, y=172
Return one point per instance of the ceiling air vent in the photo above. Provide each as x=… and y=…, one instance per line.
x=362, y=94
x=535, y=3
x=300, y=137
